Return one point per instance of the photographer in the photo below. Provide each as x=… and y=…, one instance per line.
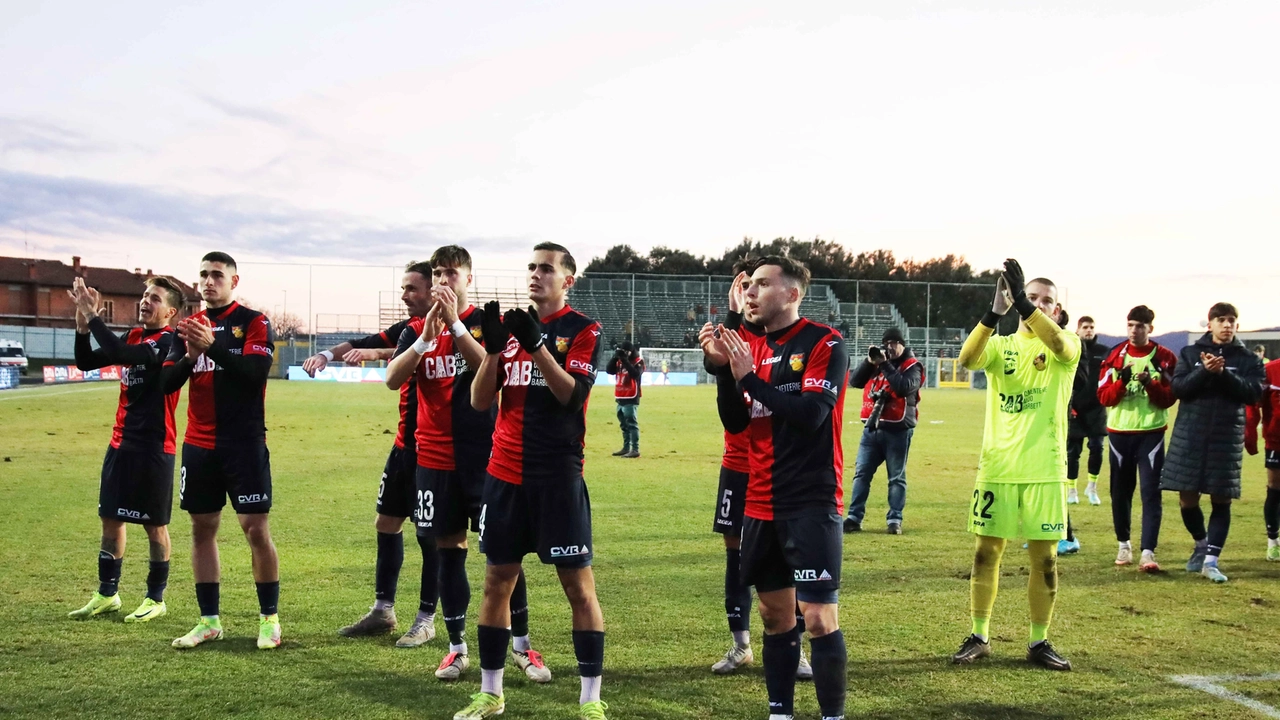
x=890, y=380
x=626, y=366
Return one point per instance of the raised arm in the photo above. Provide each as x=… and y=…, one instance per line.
x=484, y=388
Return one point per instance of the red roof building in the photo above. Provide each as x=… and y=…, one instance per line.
x=33, y=292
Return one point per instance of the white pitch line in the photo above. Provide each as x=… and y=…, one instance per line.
x=1210, y=684
x=24, y=393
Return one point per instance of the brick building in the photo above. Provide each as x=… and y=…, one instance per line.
x=33, y=292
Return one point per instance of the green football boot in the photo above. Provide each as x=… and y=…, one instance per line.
x=483, y=705
x=268, y=631
x=149, y=610
x=98, y=605
x=593, y=710
x=208, y=629
x=1273, y=553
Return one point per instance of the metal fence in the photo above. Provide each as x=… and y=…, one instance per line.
x=43, y=343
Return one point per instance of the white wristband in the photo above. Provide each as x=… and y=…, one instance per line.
x=327, y=355
x=420, y=346
x=458, y=329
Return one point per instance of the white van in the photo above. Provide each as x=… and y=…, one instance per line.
x=12, y=355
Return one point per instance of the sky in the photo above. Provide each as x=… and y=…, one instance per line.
x=1126, y=150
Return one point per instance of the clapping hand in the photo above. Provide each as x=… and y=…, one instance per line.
x=523, y=326
x=1003, y=301
x=1213, y=363
x=740, y=361
x=495, y=334
x=711, y=347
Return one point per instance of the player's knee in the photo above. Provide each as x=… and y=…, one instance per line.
x=456, y=541
x=500, y=580
x=1188, y=499
x=777, y=620
x=985, y=557
x=820, y=620
x=387, y=524
x=258, y=534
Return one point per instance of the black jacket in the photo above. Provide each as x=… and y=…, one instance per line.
x=904, y=384
x=1084, y=391
x=1207, y=446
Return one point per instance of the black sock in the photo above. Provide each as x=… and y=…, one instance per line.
x=520, y=608
x=493, y=643
x=1071, y=531
x=1193, y=518
x=386, y=573
x=207, y=598
x=429, y=589
x=269, y=597
x=737, y=597
x=1219, y=525
x=799, y=620
x=157, y=579
x=1271, y=513
x=455, y=592
x=781, y=658
x=108, y=573
x=588, y=647
x=829, y=661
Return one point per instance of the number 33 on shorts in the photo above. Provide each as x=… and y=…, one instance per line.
x=1034, y=511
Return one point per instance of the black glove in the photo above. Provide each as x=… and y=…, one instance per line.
x=1017, y=284
x=524, y=327
x=1126, y=374
x=874, y=355
x=491, y=328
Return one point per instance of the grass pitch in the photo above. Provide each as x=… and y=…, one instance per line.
x=904, y=603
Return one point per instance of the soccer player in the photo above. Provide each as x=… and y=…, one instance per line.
x=1088, y=417
x=1134, y=386
x=439, y=354
x=137, y=474
x=1216, y=378
x=542, y=364
x=1268, y=412
x=627, y=368
x=397, y=491
x=795, y=374
x=1022, y=473
x=225, y=351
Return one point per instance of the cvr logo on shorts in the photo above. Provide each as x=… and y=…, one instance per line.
x=812, y=576
x=570, y=550
x=132, y=514
x=1051, y=527
x=256, y=497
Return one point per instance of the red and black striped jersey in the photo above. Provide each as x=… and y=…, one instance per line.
x=390, y=338
x=795, y=419
x=536, y=435
x=449, y=431
x=226, y=402
x=144, y=415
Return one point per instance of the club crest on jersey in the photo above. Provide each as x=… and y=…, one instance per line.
x=562, y=344
x=797, y=362
x=476, y=332
x=237, y=332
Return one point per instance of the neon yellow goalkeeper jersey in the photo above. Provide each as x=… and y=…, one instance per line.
x=1024, y=439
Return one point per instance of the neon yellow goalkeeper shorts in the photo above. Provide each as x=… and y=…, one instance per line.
x=1034, y=511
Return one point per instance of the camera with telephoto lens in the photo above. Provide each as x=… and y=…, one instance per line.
x=881, y=398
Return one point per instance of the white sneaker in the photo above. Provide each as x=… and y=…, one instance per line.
x=1091, y=492
x=1124, y=556
x=804, y=671
x=420, y=633
x=1073, y=497
x=452, y=666
x=1148, y=563
x=737, y=656
x=530, y=661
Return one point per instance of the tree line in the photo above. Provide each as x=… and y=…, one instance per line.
x=955, y=307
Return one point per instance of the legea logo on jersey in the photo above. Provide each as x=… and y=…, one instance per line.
x=570, y=550
x=254, y=498
x=770, y=361
x=812, y=576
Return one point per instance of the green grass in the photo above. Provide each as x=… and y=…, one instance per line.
x=659, y=568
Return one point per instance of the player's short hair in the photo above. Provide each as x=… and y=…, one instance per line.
x=420, y=267
x=793, y=269
x=172, y=293
x=566, y=258
x=1223, y=309
x=745, y=265
x=1083, y=319
x=451, y=256
x=1142, y=314
x=1260, y=348
x=220, y=257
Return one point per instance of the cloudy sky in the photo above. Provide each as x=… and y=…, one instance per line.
x=1128, y=150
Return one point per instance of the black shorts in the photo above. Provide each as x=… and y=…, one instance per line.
x=209, y=477
x=1090, y=424
x=802, y=552
x=397, y=492
x=731, y=498
x=448, y=501
x=137, y=486
x=551, y=517
x=1272, y=458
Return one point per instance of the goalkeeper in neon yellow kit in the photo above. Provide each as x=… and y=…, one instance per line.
x=1021, y=489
